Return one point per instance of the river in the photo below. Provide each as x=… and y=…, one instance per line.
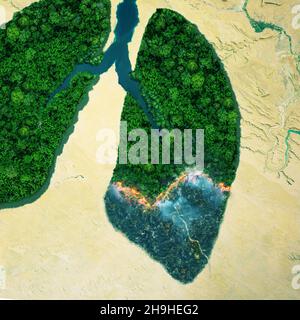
x=117, y=54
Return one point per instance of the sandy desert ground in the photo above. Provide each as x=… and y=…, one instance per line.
x=62, y=245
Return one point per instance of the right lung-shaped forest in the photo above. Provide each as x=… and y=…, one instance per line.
x=171, y=211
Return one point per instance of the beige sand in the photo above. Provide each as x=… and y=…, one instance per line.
x=62, y=246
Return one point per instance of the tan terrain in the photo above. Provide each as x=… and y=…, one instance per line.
x=62, y=245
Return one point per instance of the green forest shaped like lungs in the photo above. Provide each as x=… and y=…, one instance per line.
x=185, y=86
x=38, y=49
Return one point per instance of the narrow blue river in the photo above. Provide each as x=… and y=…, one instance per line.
x=118, y=54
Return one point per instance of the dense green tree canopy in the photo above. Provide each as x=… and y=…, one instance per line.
x=186, y=87
x=38, y=49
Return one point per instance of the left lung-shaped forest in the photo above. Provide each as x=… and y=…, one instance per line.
x=39, y=47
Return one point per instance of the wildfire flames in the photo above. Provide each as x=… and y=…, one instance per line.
x=133, y=193
x=164, y=195
x=223, y=187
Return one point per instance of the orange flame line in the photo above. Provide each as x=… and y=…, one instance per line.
x=223, y=187
x=138, y=196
